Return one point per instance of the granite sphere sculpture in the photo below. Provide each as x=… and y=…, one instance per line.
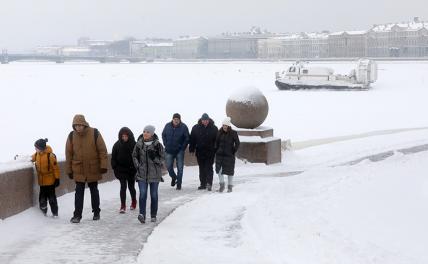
x=247, y=107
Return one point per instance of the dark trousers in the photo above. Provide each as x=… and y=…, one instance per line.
x=206, y=170
x=47, y=193
x=179, y=162
x=130, y=182
x=80, y=195
x=153, y=197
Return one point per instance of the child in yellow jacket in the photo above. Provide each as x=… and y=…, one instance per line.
x=48, y=176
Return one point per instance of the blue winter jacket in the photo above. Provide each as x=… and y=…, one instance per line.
x=175, y=139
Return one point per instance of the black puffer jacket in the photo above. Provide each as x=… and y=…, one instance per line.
x=121, y=155
x=227, y=144
x=202, y=139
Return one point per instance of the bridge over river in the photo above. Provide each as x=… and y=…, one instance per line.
x=5, y=58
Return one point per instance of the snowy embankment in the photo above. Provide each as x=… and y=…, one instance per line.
x=331, y=212
x=371, y=212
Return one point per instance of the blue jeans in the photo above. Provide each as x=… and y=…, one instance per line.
x=169, y=159
x=143, y=185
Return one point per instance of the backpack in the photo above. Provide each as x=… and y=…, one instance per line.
x=49, y=160
x=96, y=133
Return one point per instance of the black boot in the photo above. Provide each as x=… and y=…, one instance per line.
x=75, y=219
x=173, y=180
x=141, y=218
x=178, y=186
x=96, y=216
x=221, y=187
x=229, y=188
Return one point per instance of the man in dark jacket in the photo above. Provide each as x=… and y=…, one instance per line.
x=123, y=166
x=175, y=138
x=202, y=141
x=227, y=144
x=86, y=161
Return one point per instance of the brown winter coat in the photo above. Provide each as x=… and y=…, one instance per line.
x=85, y=158
x=46, y=166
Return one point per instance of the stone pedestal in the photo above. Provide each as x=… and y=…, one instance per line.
x=259, y=145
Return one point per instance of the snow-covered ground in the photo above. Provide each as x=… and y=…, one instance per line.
x=39, y=100
x=324, y=204
x=370, y=212
x=359, y=200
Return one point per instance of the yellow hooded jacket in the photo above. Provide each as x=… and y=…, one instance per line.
x=47, y=170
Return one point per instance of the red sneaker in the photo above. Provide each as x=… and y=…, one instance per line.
x=133, y=205
x=122, y=209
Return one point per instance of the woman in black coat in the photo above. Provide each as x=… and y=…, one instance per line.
x=123, y=166
x=227, y=144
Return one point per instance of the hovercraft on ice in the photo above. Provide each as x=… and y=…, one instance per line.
x=300, y=76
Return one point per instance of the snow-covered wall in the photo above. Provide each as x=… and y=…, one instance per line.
x=19, y=189
x=16, y=191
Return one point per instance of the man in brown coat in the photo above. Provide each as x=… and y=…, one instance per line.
x=86, y=161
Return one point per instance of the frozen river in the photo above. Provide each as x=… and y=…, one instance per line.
x=40, y=99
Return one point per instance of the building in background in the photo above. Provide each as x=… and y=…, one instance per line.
x=398, y=39
x=190, y=48
x=347, y=44
x=296, y=46
x=48, y=50
x=233, y=47
x=271, y=48
x=406, y=39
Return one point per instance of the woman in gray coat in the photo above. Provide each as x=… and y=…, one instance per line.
x=148, y=157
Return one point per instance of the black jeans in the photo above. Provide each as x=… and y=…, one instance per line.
x=80, y=195
x=130, y=182
x=47, y=193
x=206, y=170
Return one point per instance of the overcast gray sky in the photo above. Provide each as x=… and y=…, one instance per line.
x=28, y=23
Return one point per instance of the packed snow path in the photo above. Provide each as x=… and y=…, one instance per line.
x=116, y=238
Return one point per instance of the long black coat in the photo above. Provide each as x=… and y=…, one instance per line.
x=202, y=140
x=227, y=144
x=121, y=155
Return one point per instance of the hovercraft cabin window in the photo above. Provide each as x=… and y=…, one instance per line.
x=305, y=71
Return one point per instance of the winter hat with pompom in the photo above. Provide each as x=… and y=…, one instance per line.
x=41, y=144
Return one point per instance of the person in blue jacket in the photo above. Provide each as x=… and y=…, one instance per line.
x=175, y=138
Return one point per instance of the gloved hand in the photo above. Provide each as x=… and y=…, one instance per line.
x=152, y=154
x=70, y=175
x=103, y=170
x=56, y=183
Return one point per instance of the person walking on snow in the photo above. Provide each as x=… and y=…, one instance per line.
x=175, y=137
x=48, y=176
x=85, y=162
x=123, y=166
x=227, y=144
x=148, y=157
x=202, y=141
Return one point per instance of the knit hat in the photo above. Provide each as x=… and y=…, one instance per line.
x=226, y=121
x=205, y=116
x=150, y=129
x=176, y=115
x=41, y=144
